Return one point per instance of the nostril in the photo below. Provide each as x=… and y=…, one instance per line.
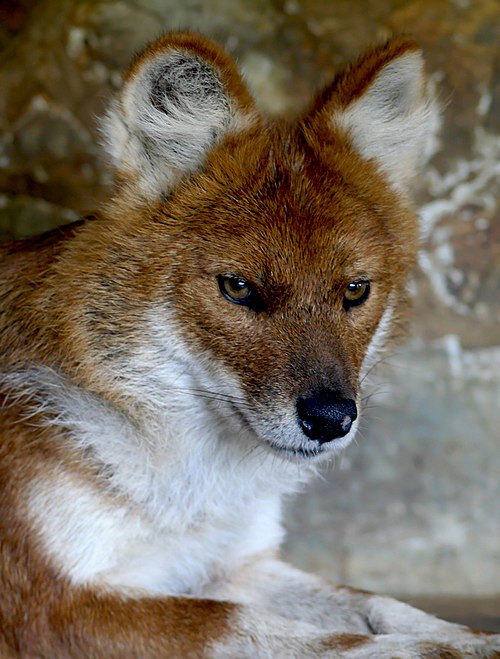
x=326, y=415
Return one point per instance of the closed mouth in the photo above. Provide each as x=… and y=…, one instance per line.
x=301, y=454
x=297, y=453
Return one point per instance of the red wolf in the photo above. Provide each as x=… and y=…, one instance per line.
x=174, y=366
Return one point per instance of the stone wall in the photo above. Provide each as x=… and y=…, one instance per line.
x=414, y=506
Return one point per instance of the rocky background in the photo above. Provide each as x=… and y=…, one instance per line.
x=414, y=507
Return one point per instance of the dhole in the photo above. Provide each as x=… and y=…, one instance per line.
x=174, y=366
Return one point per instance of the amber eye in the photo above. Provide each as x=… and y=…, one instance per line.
x=356, y=293
x=236, y=289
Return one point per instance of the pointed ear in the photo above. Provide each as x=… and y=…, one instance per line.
x=181, y=96
x=382, y=103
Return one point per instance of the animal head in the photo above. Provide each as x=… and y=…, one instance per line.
x=260, y=261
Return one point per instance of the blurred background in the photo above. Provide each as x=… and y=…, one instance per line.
x=413, y=508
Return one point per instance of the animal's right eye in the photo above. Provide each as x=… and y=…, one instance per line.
x=236, y=289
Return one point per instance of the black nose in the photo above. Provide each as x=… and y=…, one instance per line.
x=326, y=415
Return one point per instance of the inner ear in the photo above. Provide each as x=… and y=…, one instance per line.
x=178, y=108
x=397, y=89
x=383, y=105
x=183, y=82
x=181, y=97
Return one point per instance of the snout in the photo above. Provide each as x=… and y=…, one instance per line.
x=325, y=415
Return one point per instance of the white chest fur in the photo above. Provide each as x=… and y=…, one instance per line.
x=174, y=529
x=179, y=504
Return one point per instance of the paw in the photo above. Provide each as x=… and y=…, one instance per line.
x=407, y=646
x=389, y=616
x=426, y=634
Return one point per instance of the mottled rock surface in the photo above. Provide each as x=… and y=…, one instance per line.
x=414, y=506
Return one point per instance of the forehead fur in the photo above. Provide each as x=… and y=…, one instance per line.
x=284, y=194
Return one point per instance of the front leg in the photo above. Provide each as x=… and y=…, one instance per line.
x=277, y=587
x=283, y=590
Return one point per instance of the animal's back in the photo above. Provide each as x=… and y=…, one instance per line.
x=24, y=266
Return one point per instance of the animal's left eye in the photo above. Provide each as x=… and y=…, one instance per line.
x=356, y=293
x=236, y=289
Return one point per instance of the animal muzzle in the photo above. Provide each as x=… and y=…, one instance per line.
x=325, y=415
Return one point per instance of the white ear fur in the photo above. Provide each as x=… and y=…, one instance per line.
x=391, y=121
x=171, y=112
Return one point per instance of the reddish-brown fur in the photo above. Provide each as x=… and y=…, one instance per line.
x=343, y=209
x=71, y=300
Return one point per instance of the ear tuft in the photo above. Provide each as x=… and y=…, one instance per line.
x=383, y=105
x=181, y=96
